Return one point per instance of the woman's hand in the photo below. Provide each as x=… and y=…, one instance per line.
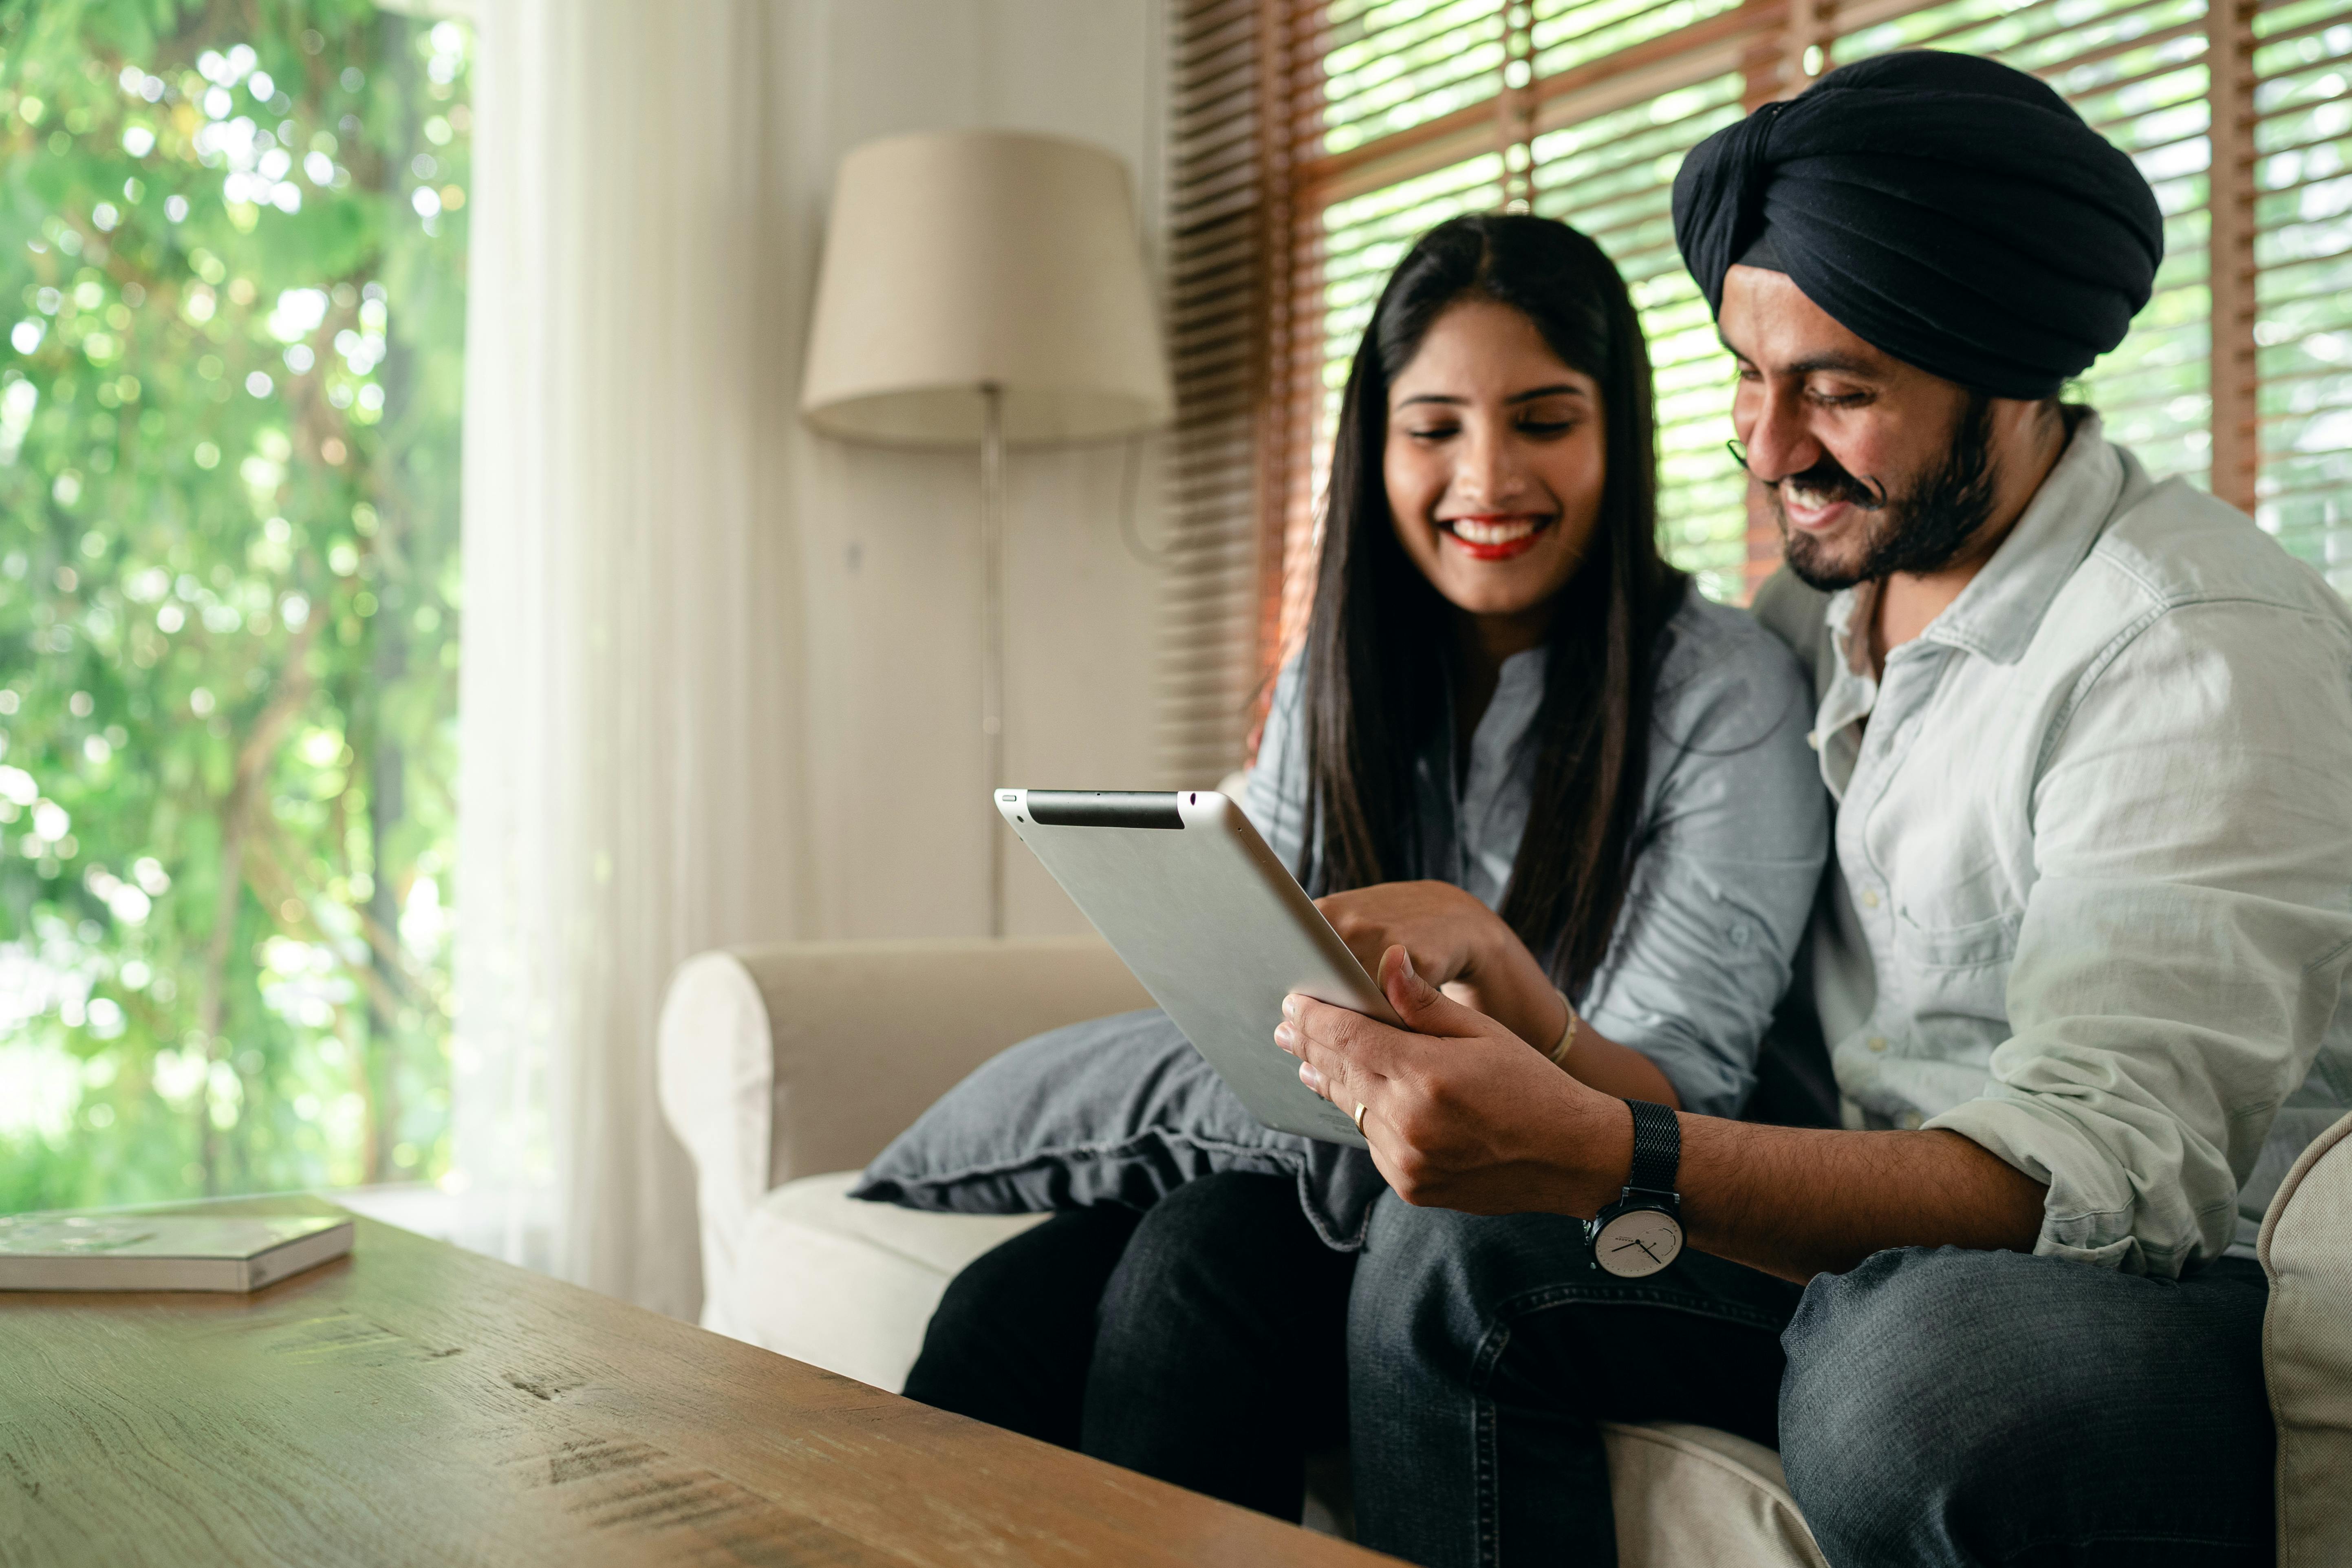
x=1457, y=944
x=1459, y=1112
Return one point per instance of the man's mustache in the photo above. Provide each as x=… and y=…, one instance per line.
x=1827, y=478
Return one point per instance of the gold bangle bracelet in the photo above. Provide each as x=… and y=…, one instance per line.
x=1558, y=1053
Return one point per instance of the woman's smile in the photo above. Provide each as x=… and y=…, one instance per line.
x=1496, y=536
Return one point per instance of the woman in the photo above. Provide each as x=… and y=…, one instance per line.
x=1519, y=746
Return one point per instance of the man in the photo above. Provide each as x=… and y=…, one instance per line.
x=2086, y=936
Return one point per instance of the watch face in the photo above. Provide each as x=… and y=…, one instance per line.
x=1638, y=1242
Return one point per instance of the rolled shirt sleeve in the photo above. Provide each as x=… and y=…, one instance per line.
x=2186, y=935
x=1728, y=862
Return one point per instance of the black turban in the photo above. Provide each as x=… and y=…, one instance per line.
x=1946, y=209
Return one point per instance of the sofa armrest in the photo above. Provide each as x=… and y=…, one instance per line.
x=786, y=1061
x=2306, y=1249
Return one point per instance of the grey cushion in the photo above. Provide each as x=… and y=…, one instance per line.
x=1119, y=1109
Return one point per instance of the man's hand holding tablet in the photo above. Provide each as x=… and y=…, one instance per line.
x=1459, y=1114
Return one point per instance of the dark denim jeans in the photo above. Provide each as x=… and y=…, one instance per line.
x=1210, y=1342
x=1483, y=1352
x=1948, y=1407
x=1933, y=1408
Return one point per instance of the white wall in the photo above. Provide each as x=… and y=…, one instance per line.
x=894, y=797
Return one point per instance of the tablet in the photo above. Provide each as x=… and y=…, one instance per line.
x=1212, y=922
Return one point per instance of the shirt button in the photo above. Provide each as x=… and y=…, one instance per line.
x=1876, y=1042
x=1870, y=898
x=1911, y=1119
x=1813, y=739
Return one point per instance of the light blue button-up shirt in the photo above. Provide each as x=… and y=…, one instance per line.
x=2093, y=906
x=1729, y=842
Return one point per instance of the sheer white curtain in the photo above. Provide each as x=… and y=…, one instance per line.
x=631, y=616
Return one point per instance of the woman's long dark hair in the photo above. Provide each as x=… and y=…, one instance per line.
x=1373, y=689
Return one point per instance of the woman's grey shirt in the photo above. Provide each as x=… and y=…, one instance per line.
x=1729, y=842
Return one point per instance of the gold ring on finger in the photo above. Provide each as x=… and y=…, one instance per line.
x=1361, y=1109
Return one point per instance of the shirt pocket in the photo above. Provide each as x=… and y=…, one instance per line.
x=1955, y=977
x=1928, y=939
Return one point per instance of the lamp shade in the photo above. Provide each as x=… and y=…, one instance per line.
x=979, y=257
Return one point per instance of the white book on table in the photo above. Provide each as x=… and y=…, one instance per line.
x=164, y=1251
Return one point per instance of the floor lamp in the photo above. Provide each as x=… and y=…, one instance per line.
x=985, y=288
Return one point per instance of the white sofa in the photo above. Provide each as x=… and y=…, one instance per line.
x=784, y=1069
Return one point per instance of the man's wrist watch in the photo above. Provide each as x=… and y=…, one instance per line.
x=1641, y=1232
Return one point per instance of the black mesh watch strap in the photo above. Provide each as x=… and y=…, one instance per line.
x=1657, y=1147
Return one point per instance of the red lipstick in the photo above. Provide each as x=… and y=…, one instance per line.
x=1497, y=536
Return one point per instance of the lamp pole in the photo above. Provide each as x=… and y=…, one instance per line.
x=991, y=666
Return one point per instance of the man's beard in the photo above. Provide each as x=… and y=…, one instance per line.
x=1922, y=530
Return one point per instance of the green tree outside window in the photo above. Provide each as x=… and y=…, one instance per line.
x=232, y=256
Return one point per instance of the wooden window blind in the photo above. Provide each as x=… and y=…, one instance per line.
x=2292, y=188
x=1226, y=459
x=1371, y=120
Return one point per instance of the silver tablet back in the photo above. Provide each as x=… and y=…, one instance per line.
x=1216, y=927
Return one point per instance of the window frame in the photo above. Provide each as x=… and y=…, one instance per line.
x=1295, y=177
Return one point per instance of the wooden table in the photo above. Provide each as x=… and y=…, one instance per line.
x=416, y=1403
